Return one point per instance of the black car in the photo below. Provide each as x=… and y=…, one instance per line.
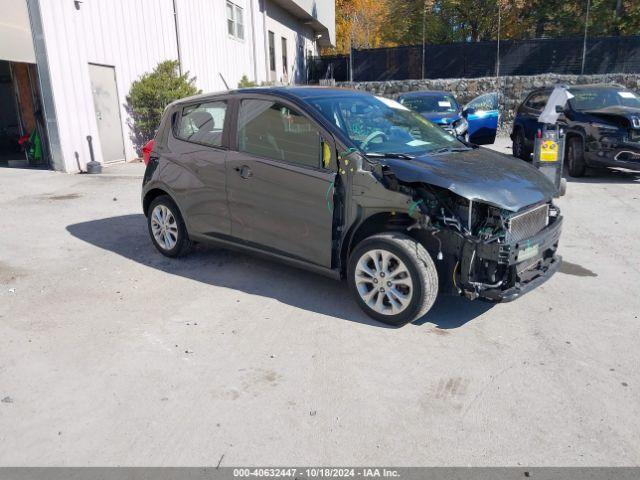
x=602, y=124
x=352, y=186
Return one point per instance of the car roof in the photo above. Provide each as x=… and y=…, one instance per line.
x=425, y=93
x=608, y=86
x=301, y=92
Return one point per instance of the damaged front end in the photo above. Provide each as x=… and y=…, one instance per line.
x=484, y=250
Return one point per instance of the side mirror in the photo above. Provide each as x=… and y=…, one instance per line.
x=559, y=109
x=468, y=111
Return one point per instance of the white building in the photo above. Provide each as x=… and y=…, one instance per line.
x=67, y=65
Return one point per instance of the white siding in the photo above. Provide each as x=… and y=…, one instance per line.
x=16, y=41
x=300, y=38
x=135, y=35
x=131, y=35
x=206, y=47
x=209, y=51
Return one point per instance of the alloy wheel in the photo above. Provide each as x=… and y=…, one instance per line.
x=383, y=282
x=164, y=227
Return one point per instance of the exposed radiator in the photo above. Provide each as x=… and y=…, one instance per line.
x=527, y=224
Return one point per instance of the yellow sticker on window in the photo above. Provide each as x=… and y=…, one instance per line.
x=326, y=155
x=549, y=151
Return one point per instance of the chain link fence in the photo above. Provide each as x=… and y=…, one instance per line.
x=480, y=59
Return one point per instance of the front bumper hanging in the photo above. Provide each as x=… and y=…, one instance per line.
x=522, y=266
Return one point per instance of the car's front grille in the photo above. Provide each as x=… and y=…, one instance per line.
x=527, y=224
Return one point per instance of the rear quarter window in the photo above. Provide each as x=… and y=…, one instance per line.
x=202, y=123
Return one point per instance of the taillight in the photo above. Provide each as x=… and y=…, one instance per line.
x=146, y=151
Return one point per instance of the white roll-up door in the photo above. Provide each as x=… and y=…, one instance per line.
x=16, y=42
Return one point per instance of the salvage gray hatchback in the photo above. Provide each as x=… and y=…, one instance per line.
x=350, y=185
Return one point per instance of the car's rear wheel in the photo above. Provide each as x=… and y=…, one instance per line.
x=575, y=157
x=519, y=146
x=166, y=227
x=393, y=278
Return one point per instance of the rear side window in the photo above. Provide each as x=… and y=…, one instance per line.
x=537, y=101
x=272, y=130
x=202, y=123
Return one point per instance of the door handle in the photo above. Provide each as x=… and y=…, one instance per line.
x=244, y=171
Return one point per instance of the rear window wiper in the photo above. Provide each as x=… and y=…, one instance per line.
x=403, y=156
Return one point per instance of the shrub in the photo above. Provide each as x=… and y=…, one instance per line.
x=246, y=83
x=150, y=94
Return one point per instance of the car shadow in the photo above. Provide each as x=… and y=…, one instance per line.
x=605, y=175
x=127, y=236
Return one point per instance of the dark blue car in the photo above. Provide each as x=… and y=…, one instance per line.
x=476, y=122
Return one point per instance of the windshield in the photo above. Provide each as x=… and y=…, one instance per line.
x=443, y=103
x=597, y=98
x=380, y=125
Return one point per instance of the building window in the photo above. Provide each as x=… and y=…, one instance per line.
x=272, y=51
x=285, y=62
x=235, y=21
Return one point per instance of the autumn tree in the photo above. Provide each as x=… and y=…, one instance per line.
x=374, y=23
x=360, y=23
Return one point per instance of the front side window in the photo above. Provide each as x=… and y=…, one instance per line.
x=235, y=21
x=202, y=123
x=380, y=125
x=485, y=103
x=272, y=130
x=596, y=98
x=538, y=101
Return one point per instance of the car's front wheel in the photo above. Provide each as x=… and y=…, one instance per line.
x=393, y=278
x=575, y=157
x=166, y=227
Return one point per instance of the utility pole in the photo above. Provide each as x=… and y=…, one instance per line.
x=351, y=20
x=498, y=52
x=424, y=21
x=350, y=58
x=584, y=43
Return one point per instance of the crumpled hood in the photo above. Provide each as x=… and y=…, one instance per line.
x=479, y=175
x=441, y=119
x=615, y=114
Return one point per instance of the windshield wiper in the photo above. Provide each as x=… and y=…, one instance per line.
x=403, y=156
x=449, y=150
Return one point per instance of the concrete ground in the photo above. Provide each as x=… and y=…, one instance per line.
x=111, y=354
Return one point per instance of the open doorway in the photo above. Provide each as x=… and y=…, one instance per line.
x=22, y=129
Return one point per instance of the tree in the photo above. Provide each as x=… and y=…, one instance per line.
x=150, y=94
x=447, y=21
x=360, y=24
x=246, y=83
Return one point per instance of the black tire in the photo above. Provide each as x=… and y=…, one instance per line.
x=420, y=267
x=183, y=242
x=519, y=146
x=575, y=157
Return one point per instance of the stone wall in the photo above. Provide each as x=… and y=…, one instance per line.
x=512, y=89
